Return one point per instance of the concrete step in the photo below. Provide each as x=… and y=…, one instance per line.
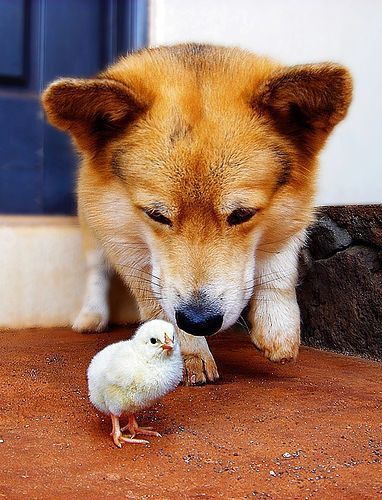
x=42, y=274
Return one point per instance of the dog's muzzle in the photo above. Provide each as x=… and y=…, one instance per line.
x=198, y=320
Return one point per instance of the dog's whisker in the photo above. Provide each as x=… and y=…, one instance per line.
x=275, y=242
x=143, y=288
x=260, y=283
x=238, y=322
x=143, y=295
x=151, y=274
x=146, y=291
x=268, y=274
x=256, y=299
x=150, y=294
x=264, y=275
x=129, y=243
x=257, y=290
x=277, y=276
x=150, y=299
x=140, y=270
x=243, y=323
x=250, y=280
x=142, y=279
x=267, y=251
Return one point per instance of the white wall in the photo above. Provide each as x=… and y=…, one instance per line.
x=298, y=31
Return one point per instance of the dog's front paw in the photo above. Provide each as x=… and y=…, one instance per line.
x=276, y=328
x=90, y=321
x=199, y=364
x=199, y=369
x=279, y=347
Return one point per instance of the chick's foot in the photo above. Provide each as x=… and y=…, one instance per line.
x=134, y=429
x=119, y=438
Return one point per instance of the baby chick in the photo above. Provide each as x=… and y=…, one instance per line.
x=131, y=375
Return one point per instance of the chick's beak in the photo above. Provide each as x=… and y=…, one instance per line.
x=167, y=347
x=168, y=343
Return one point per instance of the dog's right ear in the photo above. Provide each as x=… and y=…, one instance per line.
x=91, y=110
x=306, y=102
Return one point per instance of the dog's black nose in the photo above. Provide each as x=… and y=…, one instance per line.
x=195, y=321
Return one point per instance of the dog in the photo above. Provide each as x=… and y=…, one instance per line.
x=197, y=184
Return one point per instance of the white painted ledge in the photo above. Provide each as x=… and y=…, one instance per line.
x=42, y=274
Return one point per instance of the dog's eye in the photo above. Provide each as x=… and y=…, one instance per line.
x=240, y=215
x=158, y=217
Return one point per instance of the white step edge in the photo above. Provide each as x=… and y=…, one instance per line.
x=42, y=274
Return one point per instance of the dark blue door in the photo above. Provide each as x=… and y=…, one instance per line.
x=41, y=40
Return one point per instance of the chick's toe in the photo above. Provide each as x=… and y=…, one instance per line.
x=134, y=429
x=126, y=439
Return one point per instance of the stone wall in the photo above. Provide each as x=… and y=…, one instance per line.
x=340, y=285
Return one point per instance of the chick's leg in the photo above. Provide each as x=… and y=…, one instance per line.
x=134, y=429
x=117, y=436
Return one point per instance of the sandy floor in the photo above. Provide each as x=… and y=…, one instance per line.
x=312, y=429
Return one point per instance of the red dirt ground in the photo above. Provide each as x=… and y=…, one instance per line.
x=312, y=429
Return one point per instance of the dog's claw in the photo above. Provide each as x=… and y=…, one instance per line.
x=199, y=371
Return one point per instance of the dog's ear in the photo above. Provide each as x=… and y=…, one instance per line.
x=91, y=110
x=305, y=102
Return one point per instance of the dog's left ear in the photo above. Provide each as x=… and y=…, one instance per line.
x=91, y=110
x=305, y=102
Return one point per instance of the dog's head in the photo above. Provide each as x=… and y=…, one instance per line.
x=194, y=156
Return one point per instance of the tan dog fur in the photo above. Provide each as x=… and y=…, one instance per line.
x=193, y=133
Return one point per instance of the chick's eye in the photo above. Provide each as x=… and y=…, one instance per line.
x=158, y=217
x=240, y=215
x=153, y=341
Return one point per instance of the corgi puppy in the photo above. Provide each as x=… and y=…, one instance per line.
x=196, y=186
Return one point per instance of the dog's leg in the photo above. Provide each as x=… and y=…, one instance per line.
x=199, y=364
x=274, y=312
x=149, y=310
x=94, y=314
